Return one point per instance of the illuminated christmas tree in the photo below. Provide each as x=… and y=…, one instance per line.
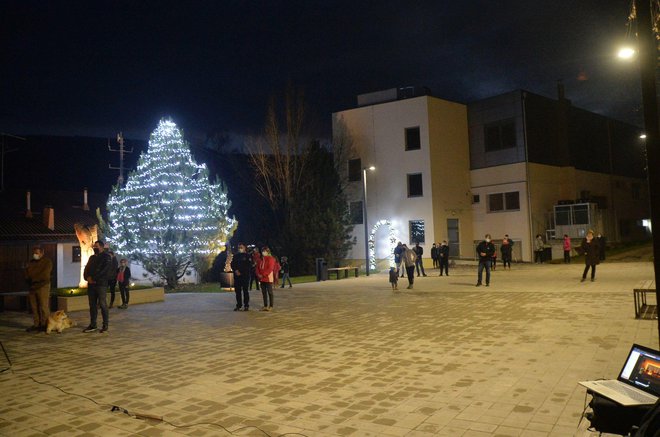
x=168, y=216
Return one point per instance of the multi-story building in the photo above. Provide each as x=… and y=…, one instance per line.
x=518, y=164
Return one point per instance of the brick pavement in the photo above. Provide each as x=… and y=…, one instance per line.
x=337, y=358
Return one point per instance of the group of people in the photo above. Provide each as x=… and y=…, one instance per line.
x=103, y=274
x=258, y=266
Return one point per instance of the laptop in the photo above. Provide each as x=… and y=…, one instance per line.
x=638, y=382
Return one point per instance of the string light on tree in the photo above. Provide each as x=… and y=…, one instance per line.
x=168, y=215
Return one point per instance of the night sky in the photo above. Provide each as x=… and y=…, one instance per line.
x=93, y=68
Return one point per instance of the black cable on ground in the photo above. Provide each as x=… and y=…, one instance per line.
x=141, y=416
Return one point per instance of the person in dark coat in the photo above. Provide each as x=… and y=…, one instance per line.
x=485, y=251
x=398, y=251
x=419, y=251
x=591, y=251
x=506, y=249
x=601, y=247
x=97, y=273
x=124, y=282
x=434, y=256
x=112, y=282
x=443, y=257
x=241, y=264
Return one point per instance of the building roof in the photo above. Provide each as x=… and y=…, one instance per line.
x=67, y=210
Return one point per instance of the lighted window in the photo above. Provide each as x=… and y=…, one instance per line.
x=416, y=228
x=413, y=139
x=354, y=169
x=355, y=212
x=415, y=188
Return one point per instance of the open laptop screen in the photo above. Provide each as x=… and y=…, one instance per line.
x=642, y=369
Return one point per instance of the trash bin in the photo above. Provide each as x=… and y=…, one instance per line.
x=321, y=269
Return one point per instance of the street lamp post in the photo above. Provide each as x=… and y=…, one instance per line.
x=364, y=218
x=647, y=63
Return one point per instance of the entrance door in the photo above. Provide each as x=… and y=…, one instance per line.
x=452, y=237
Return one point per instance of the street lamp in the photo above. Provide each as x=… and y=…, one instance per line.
x=364, y=218
x=647, y=63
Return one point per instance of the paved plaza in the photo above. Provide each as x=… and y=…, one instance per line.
x=337, y=358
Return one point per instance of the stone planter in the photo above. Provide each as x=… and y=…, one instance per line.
x=78, y=303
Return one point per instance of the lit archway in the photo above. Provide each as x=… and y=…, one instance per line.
x=372, y=243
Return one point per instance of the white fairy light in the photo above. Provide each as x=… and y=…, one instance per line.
x=372, y=243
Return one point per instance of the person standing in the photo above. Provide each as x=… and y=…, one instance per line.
x=591, y=252
x=124, y=282
x=285, y=272
x=443, y=257
x=485, y=250
x=112, y=282
x=434, y=256
x=419, y=251
x=96, y=273
x=37, y=275
x=241, y=265
x=538, y=249
x=255, y=260
x=398, y=261
x=266, y=275
x=409, y=258
x=567, y=249
x=601, y=246
x=506, y=249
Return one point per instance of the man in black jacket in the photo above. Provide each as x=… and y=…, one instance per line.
x=241, y=265
x=443, y=257
x=97, y=273
x=485, y=251
x=419, y=251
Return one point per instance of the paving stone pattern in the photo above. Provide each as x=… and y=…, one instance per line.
x=338, y=358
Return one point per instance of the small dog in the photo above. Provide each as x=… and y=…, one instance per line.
x=59, y=321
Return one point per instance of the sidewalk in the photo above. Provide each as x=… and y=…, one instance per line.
x=337, y=358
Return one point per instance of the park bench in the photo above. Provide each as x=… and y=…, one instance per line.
x=642, y=309
x=344, y=269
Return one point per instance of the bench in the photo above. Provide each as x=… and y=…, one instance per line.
x=344, y=269
x=642, y=309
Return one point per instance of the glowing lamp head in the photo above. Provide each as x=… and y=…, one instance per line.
x=642, y=137
x=626, y=53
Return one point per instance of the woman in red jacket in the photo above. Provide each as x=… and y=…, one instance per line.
x=265, y=271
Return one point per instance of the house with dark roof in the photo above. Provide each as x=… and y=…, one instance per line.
x=45, y=219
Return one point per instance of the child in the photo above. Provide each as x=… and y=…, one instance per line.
x=394, y=278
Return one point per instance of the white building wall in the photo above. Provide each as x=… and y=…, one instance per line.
x=502, y=179
x=68, y=271
x=378, y=134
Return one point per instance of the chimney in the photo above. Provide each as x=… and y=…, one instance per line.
x=85, y=204
x=49, y=217
x=28, y=212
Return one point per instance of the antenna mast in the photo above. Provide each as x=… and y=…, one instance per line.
x=122, y=151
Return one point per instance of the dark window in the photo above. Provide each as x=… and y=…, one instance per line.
x=354, y=169
x=415, y=188
x=75, y=254
x=475, y=198
x=500, y=135
x=355, y=212
x=413, y=141
x=495, y=202
x=512, y=200
x=416, y=231
x=563, y=215
x=580, y=214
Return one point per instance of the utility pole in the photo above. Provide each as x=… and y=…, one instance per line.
x=122, y=151
x=3, y=152
x=648, y=55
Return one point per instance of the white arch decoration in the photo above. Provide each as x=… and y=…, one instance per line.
x=372, y=243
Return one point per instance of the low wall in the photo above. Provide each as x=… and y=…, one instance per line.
x=78, y=303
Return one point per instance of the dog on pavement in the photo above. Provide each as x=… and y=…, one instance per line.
x=59, y=321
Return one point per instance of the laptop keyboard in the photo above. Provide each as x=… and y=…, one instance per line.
x=631, y=393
